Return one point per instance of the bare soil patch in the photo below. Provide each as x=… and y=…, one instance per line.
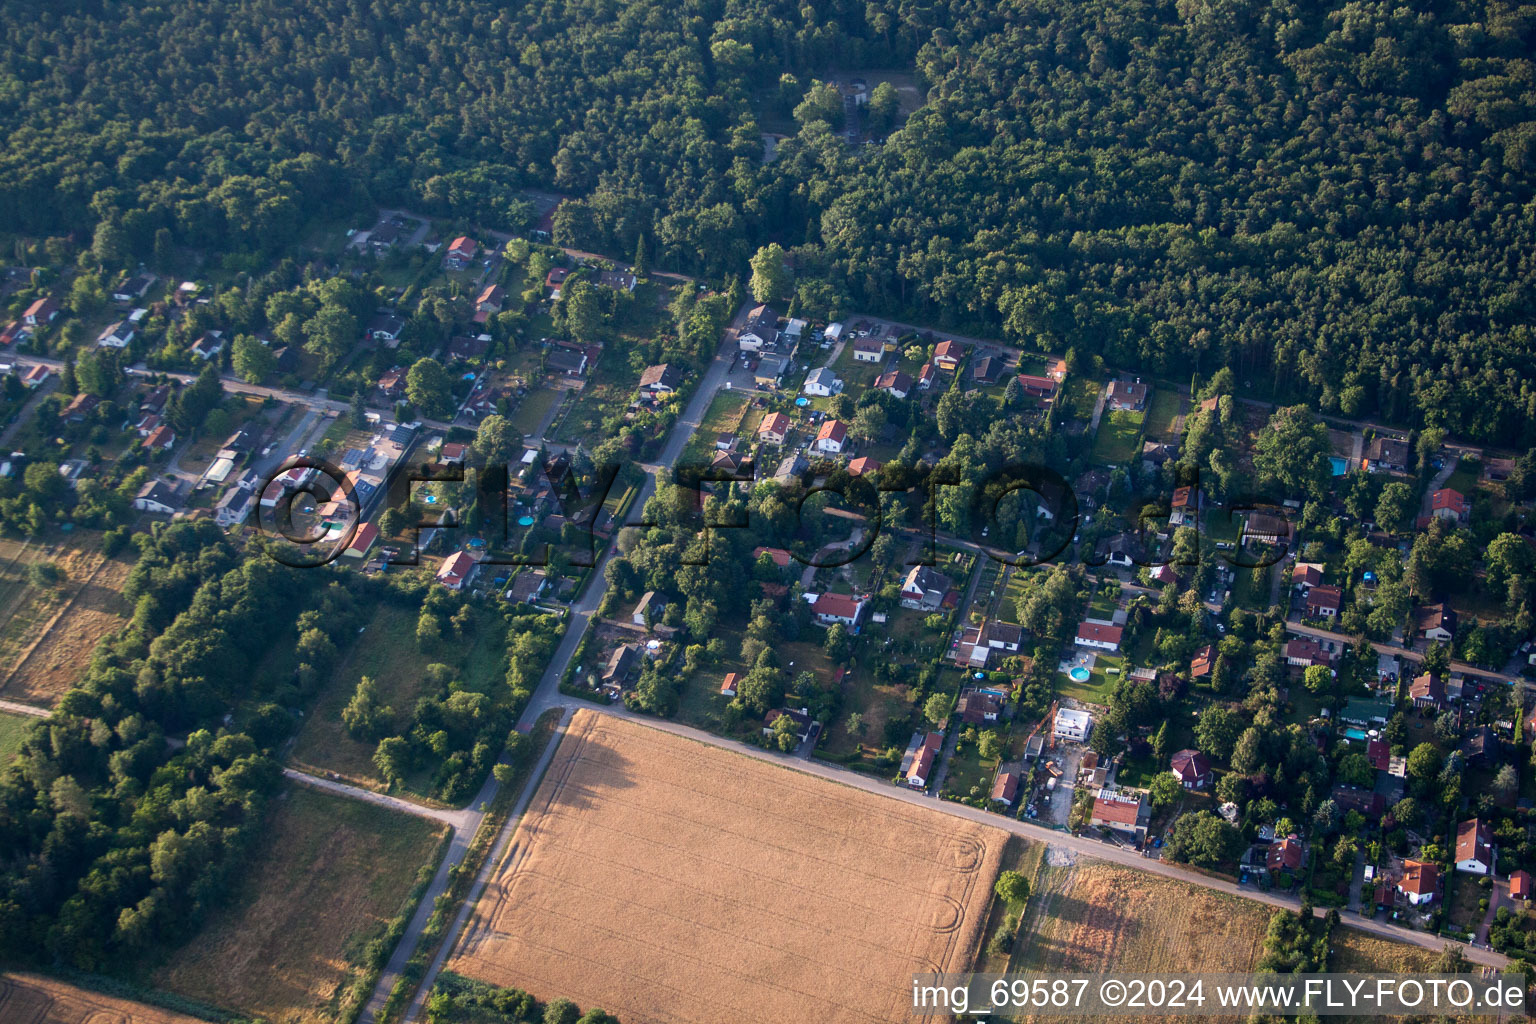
x=33, y=999
x=669, y=881
x=49, y=664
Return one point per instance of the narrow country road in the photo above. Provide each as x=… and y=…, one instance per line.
x=16, y=707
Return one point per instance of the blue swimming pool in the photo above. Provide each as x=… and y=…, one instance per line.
x=1339, y=464
x=1079, y=674
x=1354, y=734
x=525, y=520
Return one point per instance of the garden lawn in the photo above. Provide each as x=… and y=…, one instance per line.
x=1162, y=413
x=1119, y=437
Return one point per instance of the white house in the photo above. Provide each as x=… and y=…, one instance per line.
x=822, y=383
x=118, y=335
x=868, y=350
x=924, y=588
x=1098, y=635
x=838, y=609
x=1420, y=881
x=1474, y=847
x=760, y=330
x=156, y=496
x=831, y=437
x=1072, y=724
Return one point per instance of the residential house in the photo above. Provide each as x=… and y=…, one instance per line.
x=793, y=467
x=924, y=588
x=393, y=384
x=729, y=684
x=621, y=663
x=1120, y=812
x=801, y=717
x=1481, y=748
x=1006, y=789
x=457, y=571
x=1520, y=885
x=1474, y=847
x=36, y=375
x=986, y=369
x=1037, y=387
x=947, y=356
x=662, y=379
x=1324, y=602
x=41, y=312
x=461, y=253
x=760, y=330
x=362, y=542
x=528, y=586
x=1185, y=508
x=977, y=707
x=117, y=335
x=1126, y=396
x=838, y=609
x=794, y=330
x=80, y=407
x=567, y=361
x=555, y=281
x=453, y=453
x=234, y=507
x=924, y=760
x=896, y=383
x=1386, y=455
x=1420, y=882
x=466, y=348
x=134, y=288
x=618, y=280
x=1368, y=802
x=1450, y=504
x=1001, y=636
x=1306, y=575
x=158, y=497
x=1192, y=769
x=385, y=327
x=926, y=376
x=1427, y=691
x=779, y=556
x=1072, y=724
x=1304, y=652
x=648, y=610
x=208, y=345
x=774, y=429
x=868, y=350
x=1099, y=636
x=831, y=437
x=1264, y=528
x=822, y=383
x=863, y=465
x=161, y=439
x=491, y=298
x=1284, y=854
x=1436, y=622
x=1203, y=663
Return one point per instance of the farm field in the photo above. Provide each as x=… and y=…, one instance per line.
x=13, y=728
x=331, y=875
x=669, y=881
x=49, y=632
x=387, y=651
x=33, y=999
x=1093, y=916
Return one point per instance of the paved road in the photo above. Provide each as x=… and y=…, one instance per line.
x=1401, y=652
x=454, y=819
x=546, y=694
x=16, y=707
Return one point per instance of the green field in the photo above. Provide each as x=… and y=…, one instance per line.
x=13, y=729
x=531, y=411
x=1164, y=409
x=1119, y=438
x=329, y=876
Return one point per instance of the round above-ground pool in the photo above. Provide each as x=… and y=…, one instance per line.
x=430, y=499
x=525, y=520
x=1079, y=674
x=802, y=401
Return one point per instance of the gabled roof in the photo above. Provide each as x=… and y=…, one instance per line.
x=663, y=375
x=832, y=430
x=863, y=464
x=1099, y=632
x=1190, y=765
x=840, y=606
x=1006, y=788
x=894, y=380
x=1448, y=499
x=1122, y=810
x=1325, y=597
x=950, y=350
x=1474, y=841
x=1419, y=877
x=1284, y=854
x=775, y=423
x=463, y=246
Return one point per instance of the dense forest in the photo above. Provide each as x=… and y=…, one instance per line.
x=1334, y=199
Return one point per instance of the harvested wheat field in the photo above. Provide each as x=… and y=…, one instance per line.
x=669, y=881
x=1092, y=916
x=31, y=999
x=52, y=658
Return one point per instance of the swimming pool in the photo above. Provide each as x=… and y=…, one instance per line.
x=525, y=520
x=1339, y=465
x=1079, y=674
x=1354, y=734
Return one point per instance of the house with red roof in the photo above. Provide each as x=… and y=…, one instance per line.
x=1420, y=882
x=1098, y=635
x=926, y=375
x=362, y=541
x=1006, y=789
x=831, y=437
x=1450, y=504
x=1120, y=812
x=1037, y=387
x=779, y=555
x=1520, y=885
x=461, y=253
x=838, y=609
x=924, y=760
x=1192, y=769
x=947, y=356
x=1324, y=602
x=1284, y=854
x=775, y=428
x=43, y=311
x=1474, y=847
x=863, y=465
x=457, y=570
